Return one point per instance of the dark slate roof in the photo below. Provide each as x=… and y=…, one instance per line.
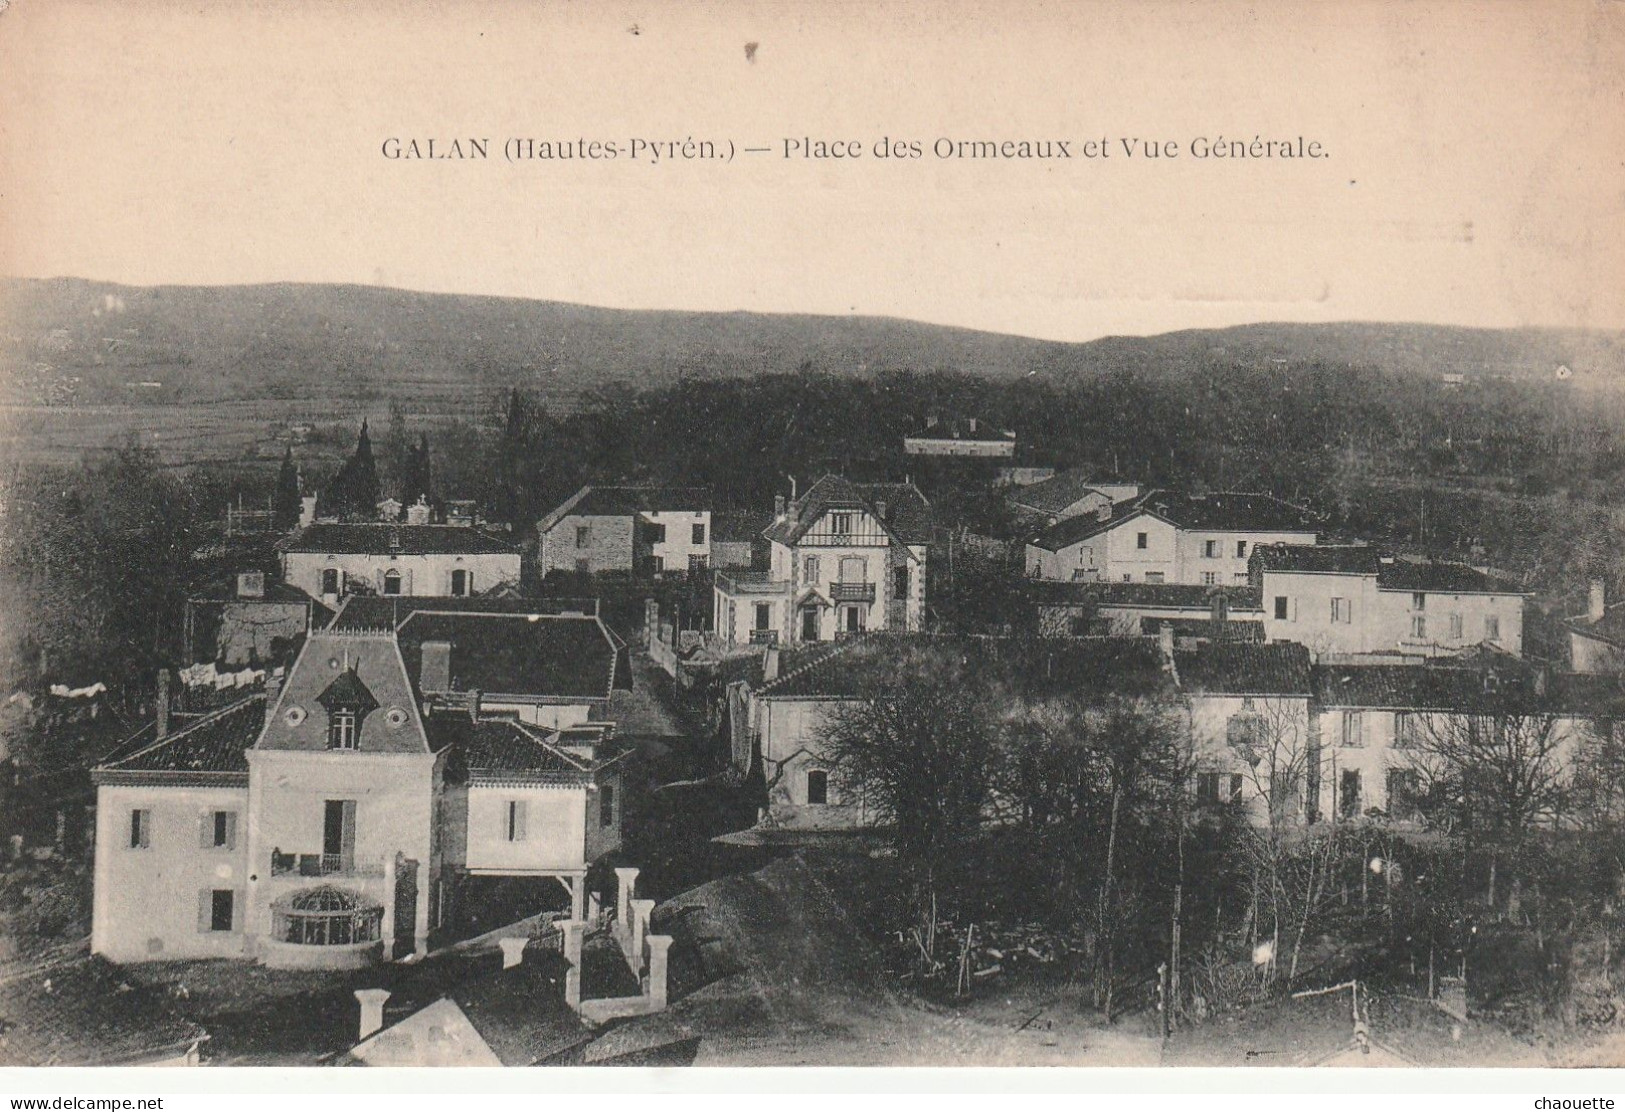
x=595, y=500
x=1185, y=596
x=908, y=514
x=1450, y=579
x=1037, y=667
x=377, y=662
x=379, y=612
x=1414, y=686
x=212, y=744
x=1242, y=669
x=348, y=691
x=1203, y=629
x=1392, y=574
x=1229, y=512
x=1064, y=534
x=1053, y=495
x=959, y=428
x=536, y=655
x=500, y=747
x=1610, y=628
x=383, y=538
x=520, y=1012
x=88, y=1013
x=224, y=589
x=739, y=528
x=1335, y=559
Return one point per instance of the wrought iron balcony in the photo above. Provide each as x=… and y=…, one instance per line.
x=852, y=592
x=764, y=637
x=320, y=864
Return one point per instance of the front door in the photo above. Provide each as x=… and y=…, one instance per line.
x=809, y=623
x=852, y=619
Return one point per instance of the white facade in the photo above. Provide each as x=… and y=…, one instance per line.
x=685, y=538
x=802, y=788
x=1347, y=614
x=1143, y=548
x=331, y=575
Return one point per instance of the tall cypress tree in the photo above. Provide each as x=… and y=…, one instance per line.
x=354, y=490
x=285, y=505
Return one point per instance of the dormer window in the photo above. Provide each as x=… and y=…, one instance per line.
x=347, y=701
x=341, y=729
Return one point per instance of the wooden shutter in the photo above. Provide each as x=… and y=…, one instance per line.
x=239, y=907
x=205, y=834
x=146, y=828
x=205, y=909
x=347, y=837
x=468, y=581
x=406, y=582
x=519, y=820
x=231, y=829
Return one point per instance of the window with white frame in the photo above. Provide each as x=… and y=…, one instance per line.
x=1342, y=611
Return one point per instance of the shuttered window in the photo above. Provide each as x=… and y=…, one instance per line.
x=513, y=820
x=217, y=910
x=218, y=830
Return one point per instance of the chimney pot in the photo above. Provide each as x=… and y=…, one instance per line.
x=778, y=505
x=162, y=707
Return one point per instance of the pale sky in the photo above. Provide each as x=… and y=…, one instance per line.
x=1474, y=172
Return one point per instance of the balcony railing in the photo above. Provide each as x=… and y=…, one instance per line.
x=764, y=637
x=746, y=582
x=852, y=592
x=320, y=864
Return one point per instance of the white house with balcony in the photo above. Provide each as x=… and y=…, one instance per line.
x=330, y=561
x=844, y=558
x=334, y=823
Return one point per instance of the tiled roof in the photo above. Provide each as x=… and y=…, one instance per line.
x=1417, y=687
x=1036, y=667
x=1245, y=669
x=505, y=748
x=1064, y=534
x=908, y=514
x=1334, y=559
x=383, y=538
x=1392, y=574
x=379, y=612
x=1229, y=512
x=213, y=744
x=87, y=1013
x=1183, y=596
x=1053, y=495
x=1609, y=628
x=224, y=589
x=1203, y=629
x=739, y=528
x=1450, y=579
x=594, y=500
x=959, y=428
x=535, y=655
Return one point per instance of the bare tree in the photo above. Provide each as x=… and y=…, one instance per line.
x=1495, y=770
x=920, y=743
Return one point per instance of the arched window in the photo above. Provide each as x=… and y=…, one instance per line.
x=392, y=582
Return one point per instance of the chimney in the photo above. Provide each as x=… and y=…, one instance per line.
x=372, y=1011
x=162, y=707
x=1542, y=677
x=880, y=510
x=273, y=683
x=435, y=674
x=474, y=706
x=1220, y=613
x=513, y=951
x=973, y=426
x=1599, y=600
x=251, y=584
x=778, y=505
x=770, y=664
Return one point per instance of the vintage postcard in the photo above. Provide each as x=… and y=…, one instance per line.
x=818, y=534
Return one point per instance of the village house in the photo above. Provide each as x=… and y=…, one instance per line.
x=337, y=819
x=1068, y=495
x=633, y=529
x=331, y=560
x=844, y=558
x=1343, y=600
x=1597, y=640
x=1167, y=537
x=960, y=436
x=245, y=619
